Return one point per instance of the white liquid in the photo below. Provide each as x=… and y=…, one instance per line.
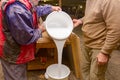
x=59, y=26
x=58, y=71
x=60, y=45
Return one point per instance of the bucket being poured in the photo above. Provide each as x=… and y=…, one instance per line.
x=59, y=26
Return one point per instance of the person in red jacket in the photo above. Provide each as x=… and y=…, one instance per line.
x=18, y=35
x=1, y=71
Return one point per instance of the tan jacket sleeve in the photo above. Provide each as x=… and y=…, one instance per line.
x=111, y=15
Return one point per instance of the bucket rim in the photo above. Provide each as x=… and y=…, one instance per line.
x=66, y=16
x=53, y=77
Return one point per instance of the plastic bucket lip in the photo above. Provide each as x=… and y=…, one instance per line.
x=49, y=71
x=59, y=25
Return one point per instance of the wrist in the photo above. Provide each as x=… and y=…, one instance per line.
x=80, y=21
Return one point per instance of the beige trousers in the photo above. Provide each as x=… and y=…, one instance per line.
x=90, y=70
x=1, y=72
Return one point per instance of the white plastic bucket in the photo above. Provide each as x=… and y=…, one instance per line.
x=59, y=25
x=57, y=72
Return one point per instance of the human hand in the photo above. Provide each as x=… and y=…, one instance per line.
x=77, y=22
x=56, y=8
x=102, y=58
x=42, y=27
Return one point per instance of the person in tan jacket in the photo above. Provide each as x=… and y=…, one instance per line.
x=101, y=34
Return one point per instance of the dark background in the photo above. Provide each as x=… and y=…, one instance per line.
x=75, y=8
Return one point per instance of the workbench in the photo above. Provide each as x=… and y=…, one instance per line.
x=47, y=42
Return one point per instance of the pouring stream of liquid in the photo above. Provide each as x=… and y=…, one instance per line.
x=59, y=45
